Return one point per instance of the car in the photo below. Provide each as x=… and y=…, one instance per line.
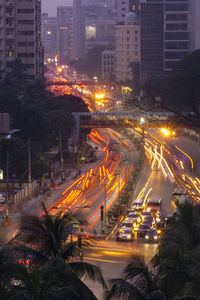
x=143, y=228
x=133, y=215
x=159, y=226
x=148, y=222
x=125, y=235
x=126, y=225
x=137, y=205
x=145, y=213
x=151, y=236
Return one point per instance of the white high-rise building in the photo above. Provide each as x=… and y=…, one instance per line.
x=20, y=36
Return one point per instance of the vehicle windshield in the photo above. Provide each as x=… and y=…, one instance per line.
x=132, y=215
x=127, y=231
x=127, y=224
x=146, y=213
x=152, y=231
x=153, y=204
x=144, y=226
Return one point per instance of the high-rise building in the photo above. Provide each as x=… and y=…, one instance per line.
x=152, y=39
x=127, y=46
x=196, y=24
x=65, y=33
x=49, y=36
x=169, y=32
x=20, y=36
x=178, y=31
x=100, y=26
x=79, y=29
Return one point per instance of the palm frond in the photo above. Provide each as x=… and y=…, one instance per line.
x=91, y=271
x=70, y=250
x=156, y=295
x=124, y=289
x=137, y=266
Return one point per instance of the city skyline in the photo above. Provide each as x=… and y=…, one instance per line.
x=52, y=8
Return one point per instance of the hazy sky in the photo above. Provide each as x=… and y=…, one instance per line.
x=51, y=5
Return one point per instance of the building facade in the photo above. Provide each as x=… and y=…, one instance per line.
x=108, y=64
x=127, y=48
x=20, y=36
x=124, y=6
x=79, y=29
x=151, y=39
x=169, y=32
x=65, y=34
x=49, y=37
x=178, y=32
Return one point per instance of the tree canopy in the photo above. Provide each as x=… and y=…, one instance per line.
x=180, y=89
x=39, y=115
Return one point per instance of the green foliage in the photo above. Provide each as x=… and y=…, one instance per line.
x=137, y=282
x=50, y=273
x=177, y=258
x=179, y=90
x=39, y=115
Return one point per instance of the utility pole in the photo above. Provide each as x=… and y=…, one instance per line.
x=7, y=185
x=29, y=168
x=61, y=155
x=105, y=204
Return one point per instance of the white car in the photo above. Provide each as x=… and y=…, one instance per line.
x=125, y=235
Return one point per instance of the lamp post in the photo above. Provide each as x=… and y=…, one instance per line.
x=61, y=156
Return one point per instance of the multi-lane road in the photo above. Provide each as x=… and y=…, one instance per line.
x=172, y=161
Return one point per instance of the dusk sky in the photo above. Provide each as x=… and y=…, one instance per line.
x=51, y=5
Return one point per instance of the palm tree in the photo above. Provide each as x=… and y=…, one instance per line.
x=47, y=237
x=51, y=281
x=177, y=257
x=137, y=282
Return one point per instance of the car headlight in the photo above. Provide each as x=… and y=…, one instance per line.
x=155, y=237
x=146, y=237
x=128, y=236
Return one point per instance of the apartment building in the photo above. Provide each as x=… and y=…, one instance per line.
x=20, y=36
x=127, y=47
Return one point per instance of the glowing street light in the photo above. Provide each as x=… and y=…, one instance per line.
x=99, y=96
x=165, y=131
